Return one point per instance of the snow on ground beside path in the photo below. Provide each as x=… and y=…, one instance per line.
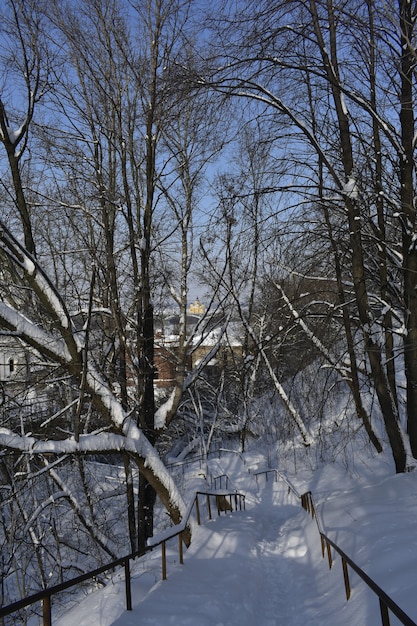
x=264, y=565
x=378, y=525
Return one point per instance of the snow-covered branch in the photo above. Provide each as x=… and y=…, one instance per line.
x=48, y=344
x=43, y=287
x=344, y=368
x=67, y=350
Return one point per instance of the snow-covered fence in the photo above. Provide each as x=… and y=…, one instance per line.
x=225, y=501
x=386, y=603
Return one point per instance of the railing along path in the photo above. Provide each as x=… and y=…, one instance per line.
x=386, y=603
x=224, y=501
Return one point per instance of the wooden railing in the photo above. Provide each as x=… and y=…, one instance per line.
x=386, y=603
x=224, y=501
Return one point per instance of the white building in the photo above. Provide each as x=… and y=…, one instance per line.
x=14, y=360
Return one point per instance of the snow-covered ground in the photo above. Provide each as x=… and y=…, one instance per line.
x=264, y=565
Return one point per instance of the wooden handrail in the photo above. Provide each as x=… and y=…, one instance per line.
x=385, y=601
x=44, y=596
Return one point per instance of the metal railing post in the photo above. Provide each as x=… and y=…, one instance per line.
x=164, y=561
x=384, y=613
x=46, y=611
x=180, y=548
x=128, y=586
x=197, y=508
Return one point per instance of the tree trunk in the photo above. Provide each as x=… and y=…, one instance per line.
x=130, y=496
x=408, y=217
x=379, y=204
x=373, y=350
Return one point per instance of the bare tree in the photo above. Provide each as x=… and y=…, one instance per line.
x=124, y=112
x=288, y=70
x=101, y=150
x=238, y=274
x=407, y=15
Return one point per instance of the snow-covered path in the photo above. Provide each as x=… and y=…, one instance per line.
x=234, y=573
x=261, y=566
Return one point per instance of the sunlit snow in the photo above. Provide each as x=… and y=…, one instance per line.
x=264, y=565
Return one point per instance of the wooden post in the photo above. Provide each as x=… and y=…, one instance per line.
x=346, y=578
x=303, y=501
x=329, y=554
x=164, y=561
x=322, y=545
x=209, y=506
x=46, y=611
x=128, y=586
x=312, y=510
